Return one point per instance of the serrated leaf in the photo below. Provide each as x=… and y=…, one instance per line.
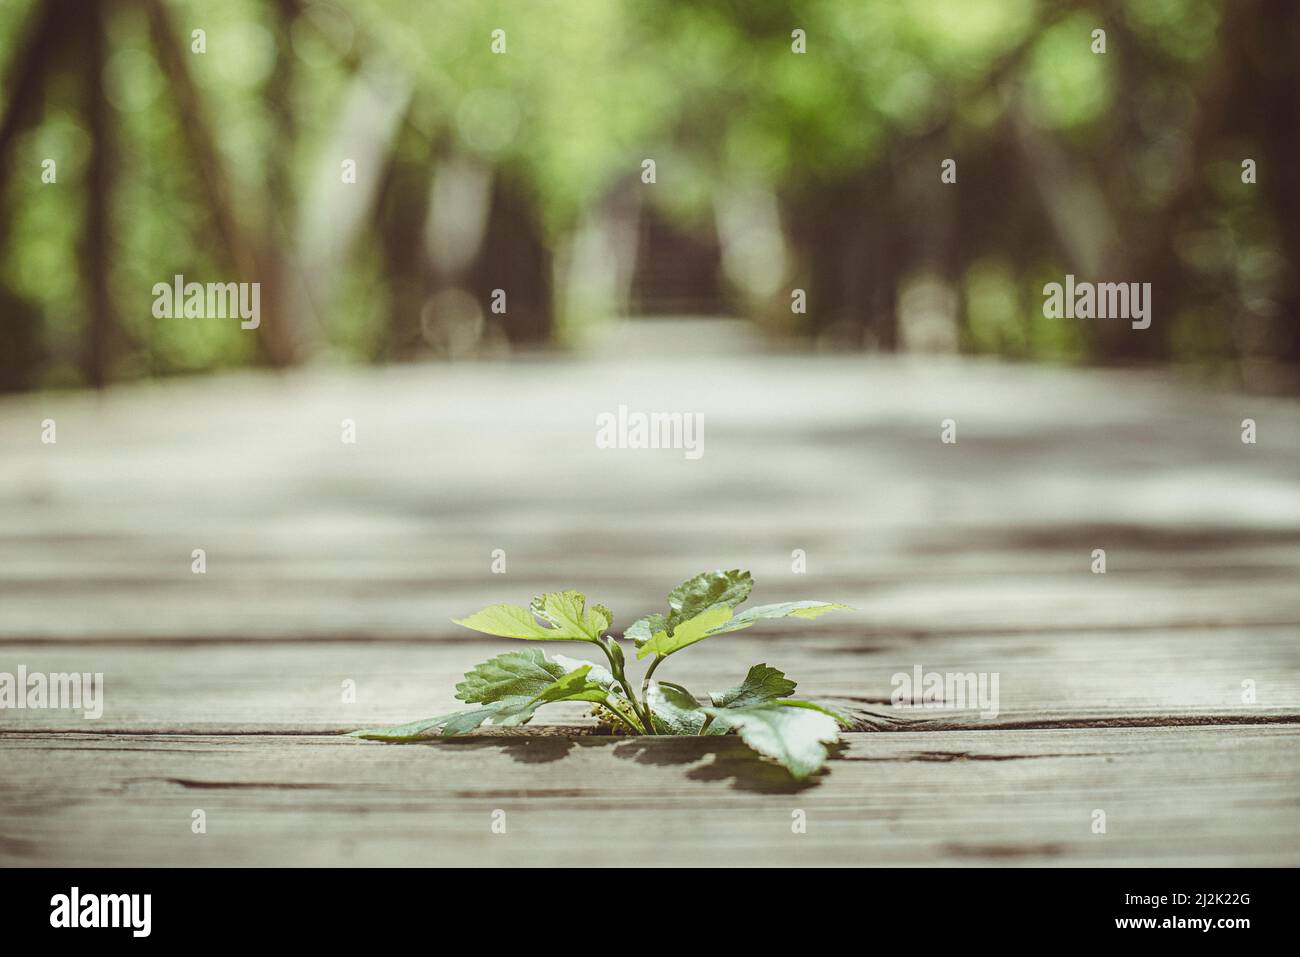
x=691, y=598
x=567, y=611
x=675, y=710
x=510, y=688
x=564, y=618
x=687, y=633
x=607, y=615
x=573, y=686
x=456, y=722
x=402, y=732
x=706, y=590
x=510, y=621
x=794, y=736
x=761, y=684
x=462, y=722
x=643, y=629
x=522, y=673
x=796, y=609
x=598, y=673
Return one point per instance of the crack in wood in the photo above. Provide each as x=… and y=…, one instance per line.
x=1067, y=724
x=946, y=757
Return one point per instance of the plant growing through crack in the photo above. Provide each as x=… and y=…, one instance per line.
x=509, y=688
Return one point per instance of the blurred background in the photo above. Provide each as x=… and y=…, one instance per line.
x=260, y=538
x=232, y=525
x=522, y=171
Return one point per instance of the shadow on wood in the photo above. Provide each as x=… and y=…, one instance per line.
x=731, y=758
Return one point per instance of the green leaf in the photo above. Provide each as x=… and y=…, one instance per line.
x=797, y=609
x=691, y=598
x=760, y=685
x=573, y=686
x=567, y=612
x=794, y=736
x=598, y=673
x=687, y=633
x=643, y=629
x=564, y=618
x=719, y=620
x=402, y=732
x=675, y=710
x=457, y=722
x=704, y=591
x=523, y=673
x=509, y=621
x=795, y=703
x=510, y=687
x=607, y=615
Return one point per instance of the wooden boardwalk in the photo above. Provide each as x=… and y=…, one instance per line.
x=330, y=562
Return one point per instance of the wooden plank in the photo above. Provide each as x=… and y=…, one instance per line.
x=308, y=537
x=359, y=604
x=1174, y=796
x=329, y=562
x=297, y=686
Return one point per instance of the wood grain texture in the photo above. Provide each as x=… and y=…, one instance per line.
x=310, y=538
x=329, y=562
x=1178, y=675
x=1173, y=796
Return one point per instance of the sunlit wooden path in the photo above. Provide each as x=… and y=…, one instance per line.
x=329, y=562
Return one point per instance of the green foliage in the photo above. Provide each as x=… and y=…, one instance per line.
x=510, y=688
x=675, y=710
x=526, y=672
x=706, y=591
x=563, y=615
x=787, y=733
x=1070, y=85
x=687, y=633
x=785, y=609
x=560, y=122
x=760, y=685
x=703, y=607
x=691, y=599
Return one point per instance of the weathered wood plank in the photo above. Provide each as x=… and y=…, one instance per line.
x=329, y=562
x=1176, y=796
x=297, y=686
x=309, y=537
x=169, y=606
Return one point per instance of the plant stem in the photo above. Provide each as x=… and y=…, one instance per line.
x=645, y=691
x=640, y=707
x=645, y=682
x=708, y=719
x=647, y=717
x=616, y=668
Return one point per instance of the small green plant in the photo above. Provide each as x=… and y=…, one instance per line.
x=509, y=688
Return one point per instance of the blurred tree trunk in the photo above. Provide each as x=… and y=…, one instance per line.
x=288, y=334
x=400, y=214
x=281, y=337
x=96, y=242
x=515, y=257
x=845, y=241
x=200, y=140
x=48, y=28
x=1272, y=75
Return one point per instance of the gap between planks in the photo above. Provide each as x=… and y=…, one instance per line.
x=875, y=724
